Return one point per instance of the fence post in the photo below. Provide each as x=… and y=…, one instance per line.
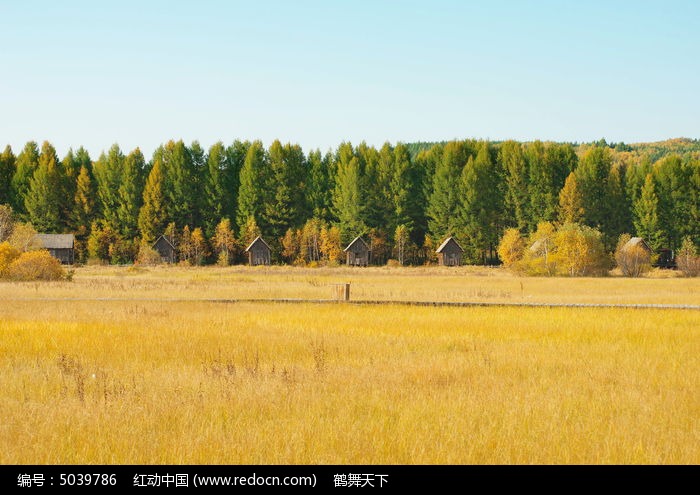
x=347, y=292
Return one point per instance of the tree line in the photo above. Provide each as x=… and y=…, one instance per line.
x=405, y=199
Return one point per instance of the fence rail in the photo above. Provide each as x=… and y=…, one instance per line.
x=464, y=304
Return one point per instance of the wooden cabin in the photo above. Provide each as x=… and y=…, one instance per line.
x=637, y=242
x=450, y=253
x=357, y=252
x=60, y=246
x=166, y=249
x=259, y=252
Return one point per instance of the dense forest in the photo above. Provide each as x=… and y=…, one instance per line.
x=404, y=198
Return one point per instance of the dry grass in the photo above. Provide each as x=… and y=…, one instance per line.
x=381, y=283
x=196, y=382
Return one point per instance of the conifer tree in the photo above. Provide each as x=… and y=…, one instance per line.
x=7, y=171
x=130, y=194
x=320, y=185
x=43, y=196
x=152, y=216
x=180, y=183
x=83, y=205
x=516, y=200
x=444, y=196
x=252, y=185
x=108, y=174
x=646, y=214
x=348, y=197
x=478, y=207
x=570, y=201
x=26, y=164
x=214, y=197
x=592, y=179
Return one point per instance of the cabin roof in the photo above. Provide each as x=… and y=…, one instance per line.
x=255, y=241
x=166, y=239
x=637, y=241
x=446, y=242
x=356, y=240
x=56, y=241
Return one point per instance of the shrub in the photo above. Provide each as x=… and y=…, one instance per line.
x=633, y=261
x=512, y=247
x=35, y=265
x=687, y=259
x=538, y=256
x=8, y=254
x=580, y=251
x=148, y=256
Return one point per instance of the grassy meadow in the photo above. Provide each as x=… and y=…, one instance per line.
x=143, y=378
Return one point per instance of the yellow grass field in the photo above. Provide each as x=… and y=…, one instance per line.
x=188, y=381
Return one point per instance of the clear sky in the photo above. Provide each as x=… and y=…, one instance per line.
x=320, y=72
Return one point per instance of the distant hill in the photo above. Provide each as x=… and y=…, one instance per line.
x=685, y=147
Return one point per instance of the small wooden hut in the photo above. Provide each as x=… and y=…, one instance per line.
x=259, y=252
x=357, y=252
x=637, y=242
x=60, y=246
x=450, y=253
x=166, y=249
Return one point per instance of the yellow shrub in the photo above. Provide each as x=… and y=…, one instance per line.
x=7, y=255
x=35, y=265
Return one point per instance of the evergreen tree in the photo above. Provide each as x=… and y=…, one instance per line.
x=646, y=215
x=83, y=208
x=252, y=185
x=130, y=194
x=348, y=200
x=235, y=158
x=82, y=159
x=43, y=197
x=516, y=200
x=7, y=171
x=320, y=185
x=285, y=207
x=153, y=217
x=692, y=230
x=570, y=201
x=444, y=197
x=404, y=191
x=547, y=169
x=592, y=177
x=674, y=190
x=199, y=170
x=26, y=164
x=634, y=179
x=69, y=179
x=376, y=170
x=108, y=173
x=478, y=207
x=619, y=215
x=214, y=187
x=180, y=183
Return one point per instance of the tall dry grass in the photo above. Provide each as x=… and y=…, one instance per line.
x=194, y=382
x=376, y=283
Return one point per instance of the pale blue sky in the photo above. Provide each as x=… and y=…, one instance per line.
x=320, y=72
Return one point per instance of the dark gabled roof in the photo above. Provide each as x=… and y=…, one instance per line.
x=255, y=241
x=166, y=239
x=56, y=241
x=355, y=241
x=446, y=242
x=637, y=241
